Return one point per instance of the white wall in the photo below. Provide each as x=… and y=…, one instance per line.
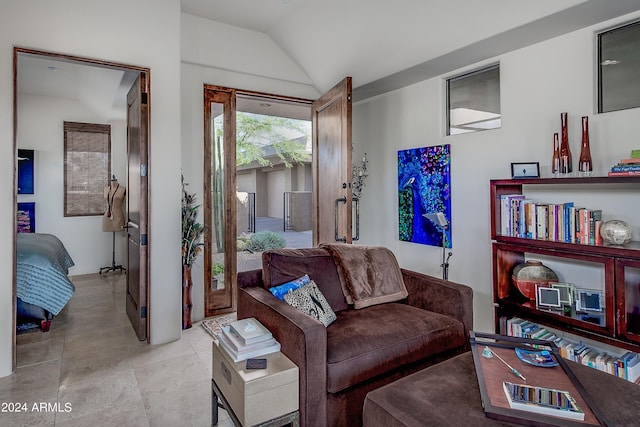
x=276, y=186
x=125, y=32
x=537, y=84
x=83, y=237
x=251, y=62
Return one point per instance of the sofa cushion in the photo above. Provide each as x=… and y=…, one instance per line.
x=309, y=300
x=362, y=344
x=283, y=265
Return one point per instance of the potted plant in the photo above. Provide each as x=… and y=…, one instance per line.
x=192, y=232
x=217, y=274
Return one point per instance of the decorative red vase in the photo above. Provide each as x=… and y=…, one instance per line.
x=565, y=151
x=555, y=160
x=585, y=165
x=186, y=296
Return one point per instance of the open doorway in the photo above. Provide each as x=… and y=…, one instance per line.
x=51, y=89
x=258, y=184
x=273, y=176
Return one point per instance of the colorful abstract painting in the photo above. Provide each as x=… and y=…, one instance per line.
x=424, y=186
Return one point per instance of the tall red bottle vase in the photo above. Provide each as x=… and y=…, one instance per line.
x=555, y=159
x=565, y=151
x=585, y=166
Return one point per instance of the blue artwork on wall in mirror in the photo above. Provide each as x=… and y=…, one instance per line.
x=25, y=171
x=424, y=186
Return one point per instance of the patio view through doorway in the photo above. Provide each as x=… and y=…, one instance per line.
x=273, y=179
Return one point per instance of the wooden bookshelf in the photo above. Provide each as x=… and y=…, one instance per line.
x=618, y=265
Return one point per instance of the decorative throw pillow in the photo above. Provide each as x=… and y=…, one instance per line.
x=281, y=290
x=309, y=300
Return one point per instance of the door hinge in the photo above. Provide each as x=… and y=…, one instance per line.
x=144, y=98
x=143, y=312
x=143, y=240
x=143, y=170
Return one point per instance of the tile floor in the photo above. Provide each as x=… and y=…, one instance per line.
x=97, y=372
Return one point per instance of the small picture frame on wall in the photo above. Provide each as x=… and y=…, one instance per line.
x=26, y=220
x=525, y=170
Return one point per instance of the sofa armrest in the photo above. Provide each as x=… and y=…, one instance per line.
x=440, y=296
x=302, y=339
x=250, y=278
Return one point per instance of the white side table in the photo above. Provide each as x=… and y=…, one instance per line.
x=255, y=397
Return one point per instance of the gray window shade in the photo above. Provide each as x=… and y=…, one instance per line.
x=87, y=166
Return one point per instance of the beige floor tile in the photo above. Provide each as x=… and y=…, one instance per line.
x=179, y=372
x=29, y=418
x=132, y=415
x=185, y=406
x=97, y=395
x=95, y=365
x=38, y=352
x=207, y=360
x=34, y=383
x=156, y=353
x=199, y=339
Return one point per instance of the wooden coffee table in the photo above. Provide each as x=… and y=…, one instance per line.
x=447, y=394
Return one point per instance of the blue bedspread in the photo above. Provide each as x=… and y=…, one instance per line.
x=42, y=267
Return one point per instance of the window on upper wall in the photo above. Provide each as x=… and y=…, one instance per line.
x=87, y=166
x=473, y=101
x=619, y=68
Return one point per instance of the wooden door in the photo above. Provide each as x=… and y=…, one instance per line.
x=137, y=207
x=331, y=121
x=219, y=199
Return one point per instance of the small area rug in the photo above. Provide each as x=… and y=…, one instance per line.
x=214, y=325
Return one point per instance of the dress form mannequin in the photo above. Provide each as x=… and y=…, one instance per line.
x=113, y=219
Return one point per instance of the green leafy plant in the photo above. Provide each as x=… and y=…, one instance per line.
x=264, y=240
x=192, y=230
x=217, y=268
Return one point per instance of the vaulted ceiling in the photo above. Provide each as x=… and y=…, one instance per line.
x=385, y=45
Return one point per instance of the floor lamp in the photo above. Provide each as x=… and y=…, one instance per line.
x=439, y=220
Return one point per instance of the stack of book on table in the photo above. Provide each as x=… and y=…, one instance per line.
x=246, y=339
x=627, y=167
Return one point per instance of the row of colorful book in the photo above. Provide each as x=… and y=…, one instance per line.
x=625, y=366
x=627, y=167
x=246, y=339
x=559, y=222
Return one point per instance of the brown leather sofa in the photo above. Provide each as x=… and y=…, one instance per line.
x=363, y=349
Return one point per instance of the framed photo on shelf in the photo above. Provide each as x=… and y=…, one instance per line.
x=548, y=298
x=589, y=300
x=566, y=292
x=525, y=170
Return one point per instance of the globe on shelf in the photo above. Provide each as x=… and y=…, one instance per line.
x=616, y=232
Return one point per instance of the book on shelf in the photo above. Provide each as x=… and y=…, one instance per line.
x=542, y=400
x=625, y=366
x=631, y=161
x=625, y=168
x=249, y=331
x=626, y=173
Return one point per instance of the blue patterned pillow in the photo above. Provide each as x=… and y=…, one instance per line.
x=281, y=290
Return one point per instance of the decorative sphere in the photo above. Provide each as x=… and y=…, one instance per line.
x=616, y=232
